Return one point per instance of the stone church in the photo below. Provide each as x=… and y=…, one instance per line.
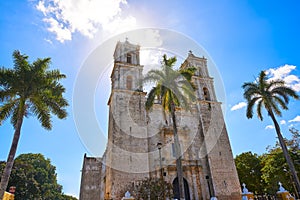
x=140, y=143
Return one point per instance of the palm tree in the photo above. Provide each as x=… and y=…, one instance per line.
x=271, y=95
x=29, y=89
x=174, y=89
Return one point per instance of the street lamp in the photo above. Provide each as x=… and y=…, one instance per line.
x=208, y=184
x=159, y=146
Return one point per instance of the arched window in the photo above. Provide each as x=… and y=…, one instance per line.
x=176, y=189
x=129, y=82
x=206, y=94
x=129, y=58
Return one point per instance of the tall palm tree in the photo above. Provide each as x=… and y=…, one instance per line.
x=29, y=89
x=271, y=95
x=174, y=89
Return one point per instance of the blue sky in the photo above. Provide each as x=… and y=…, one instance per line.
x=242, y=38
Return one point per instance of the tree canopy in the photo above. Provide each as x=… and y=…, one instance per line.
x=249, y=170
x=35, y=178
x=261, y=173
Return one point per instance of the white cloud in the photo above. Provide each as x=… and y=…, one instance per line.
x=238, y=106
x=151, y=59
x=269, y=127
x=282, y=122
x=85, y=17
x=283, y=73
x=296, y=119
x=296, y=87
x=62, y=33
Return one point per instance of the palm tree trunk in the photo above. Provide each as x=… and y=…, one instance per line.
x=11, y=156
x=178, y=153
x=286, y=153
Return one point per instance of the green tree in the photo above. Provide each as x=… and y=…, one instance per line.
x=67, y=197
x=275, y=168
x=29, y=89
x=35, y=178
x=295, y=141
x=174, y=89
x=274, y=171
x=271, y=95
x=249, y=170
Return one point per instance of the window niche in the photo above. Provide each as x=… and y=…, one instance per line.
x=129, y=58
x=206, y=94
x=129, y=83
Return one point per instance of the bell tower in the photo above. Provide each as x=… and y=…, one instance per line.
x=127, y=149
x=127, y=70
x=216, y=155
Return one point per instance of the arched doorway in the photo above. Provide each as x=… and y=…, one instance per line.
x=176, y=189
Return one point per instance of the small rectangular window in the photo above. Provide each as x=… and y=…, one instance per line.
x=173, y=150
x=129, y=58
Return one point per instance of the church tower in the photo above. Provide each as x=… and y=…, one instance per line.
x=215, y=152
x=141, y=144
x=126, y=156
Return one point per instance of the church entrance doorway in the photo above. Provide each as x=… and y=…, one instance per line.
x=176, y=189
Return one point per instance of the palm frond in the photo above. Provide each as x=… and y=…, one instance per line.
x=169, y=62
x=151, y=97
x=153, y=76
x=189, y=91
x=172, y=86
x=56, y=105
x=274, y=84
x=7, y=76
x=281, y=102
x=41, y=65
x=55, y=75
x=258, y=109
x=250, y=90
x=271, y=104
x=251, y=103
x=7, y=95
x=20, y=62
x=7, y=109
x=284, y=90
x=188, y=73
x=42, y=112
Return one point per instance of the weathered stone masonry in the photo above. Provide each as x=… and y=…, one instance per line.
x=131, y=154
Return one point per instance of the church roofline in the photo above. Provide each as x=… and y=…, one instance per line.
x=190, y=54
x=128, y=44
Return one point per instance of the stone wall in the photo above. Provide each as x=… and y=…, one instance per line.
x=91, y=179
x=132, y=153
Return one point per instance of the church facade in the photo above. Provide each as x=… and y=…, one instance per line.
x=141, y=144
